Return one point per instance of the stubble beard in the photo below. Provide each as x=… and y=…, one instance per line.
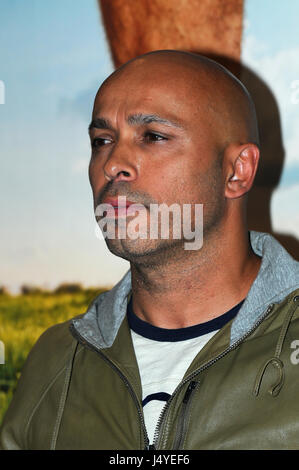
x=146, y=252
x=161, y=252
x=153, y=253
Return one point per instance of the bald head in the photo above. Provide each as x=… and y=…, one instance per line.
x=175, y=128
x=209, y=87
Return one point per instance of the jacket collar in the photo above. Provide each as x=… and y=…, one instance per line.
x=278, y=276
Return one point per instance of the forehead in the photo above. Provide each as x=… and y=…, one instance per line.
x=171, y=90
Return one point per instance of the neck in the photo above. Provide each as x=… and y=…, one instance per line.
x=198, y=285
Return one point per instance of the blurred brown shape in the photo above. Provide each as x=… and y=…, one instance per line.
x=68, y=288
x=27, y=289
x=134, y=27
x=4, y=290
x=212, y=28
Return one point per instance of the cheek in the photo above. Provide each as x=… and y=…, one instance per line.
x=90, y=173
x=95, y=174
x=202, y=185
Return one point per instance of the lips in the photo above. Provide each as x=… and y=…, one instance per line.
x=120, y=207
x=119, y=202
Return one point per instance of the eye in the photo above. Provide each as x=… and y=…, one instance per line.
x=100, y=142
x=153, y=137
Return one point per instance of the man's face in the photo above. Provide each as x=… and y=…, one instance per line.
x=153, y=141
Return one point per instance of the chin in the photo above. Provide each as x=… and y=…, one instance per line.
x=142, y=251
x=127, y=248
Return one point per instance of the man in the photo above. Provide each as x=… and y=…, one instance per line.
x=183, y=352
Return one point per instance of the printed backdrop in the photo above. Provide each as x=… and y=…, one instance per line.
x=53, y=57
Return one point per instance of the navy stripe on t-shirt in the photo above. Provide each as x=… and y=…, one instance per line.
x=149, y=331
x=160, y=396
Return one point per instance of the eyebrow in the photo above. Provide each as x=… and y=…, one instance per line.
x=139, y=119
x=100, y=123
x=133, y=120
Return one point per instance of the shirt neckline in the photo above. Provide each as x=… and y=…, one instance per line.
x=156, y=333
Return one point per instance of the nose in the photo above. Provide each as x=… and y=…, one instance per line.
x=120, y=165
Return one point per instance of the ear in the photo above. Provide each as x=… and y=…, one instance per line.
x=242, y=167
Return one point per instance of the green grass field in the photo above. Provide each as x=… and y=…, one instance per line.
x=23, y=318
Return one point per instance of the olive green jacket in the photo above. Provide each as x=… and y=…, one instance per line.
x=80, y=387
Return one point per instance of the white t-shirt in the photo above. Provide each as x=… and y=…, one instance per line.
x=164, y=355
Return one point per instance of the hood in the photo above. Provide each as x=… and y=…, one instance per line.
x=278, y=276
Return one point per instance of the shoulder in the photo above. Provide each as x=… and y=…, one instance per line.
x=53, y=346
x=44, y=370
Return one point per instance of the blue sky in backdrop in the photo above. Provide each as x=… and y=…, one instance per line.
x=53, y=56
x=270, y=47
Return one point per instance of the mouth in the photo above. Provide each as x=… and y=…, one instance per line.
x=120, y=207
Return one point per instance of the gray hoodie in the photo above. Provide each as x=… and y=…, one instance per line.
x=278, y=276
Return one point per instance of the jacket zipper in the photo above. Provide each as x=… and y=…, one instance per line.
x=182, y=423
x=182, y=419
x=125, y=380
